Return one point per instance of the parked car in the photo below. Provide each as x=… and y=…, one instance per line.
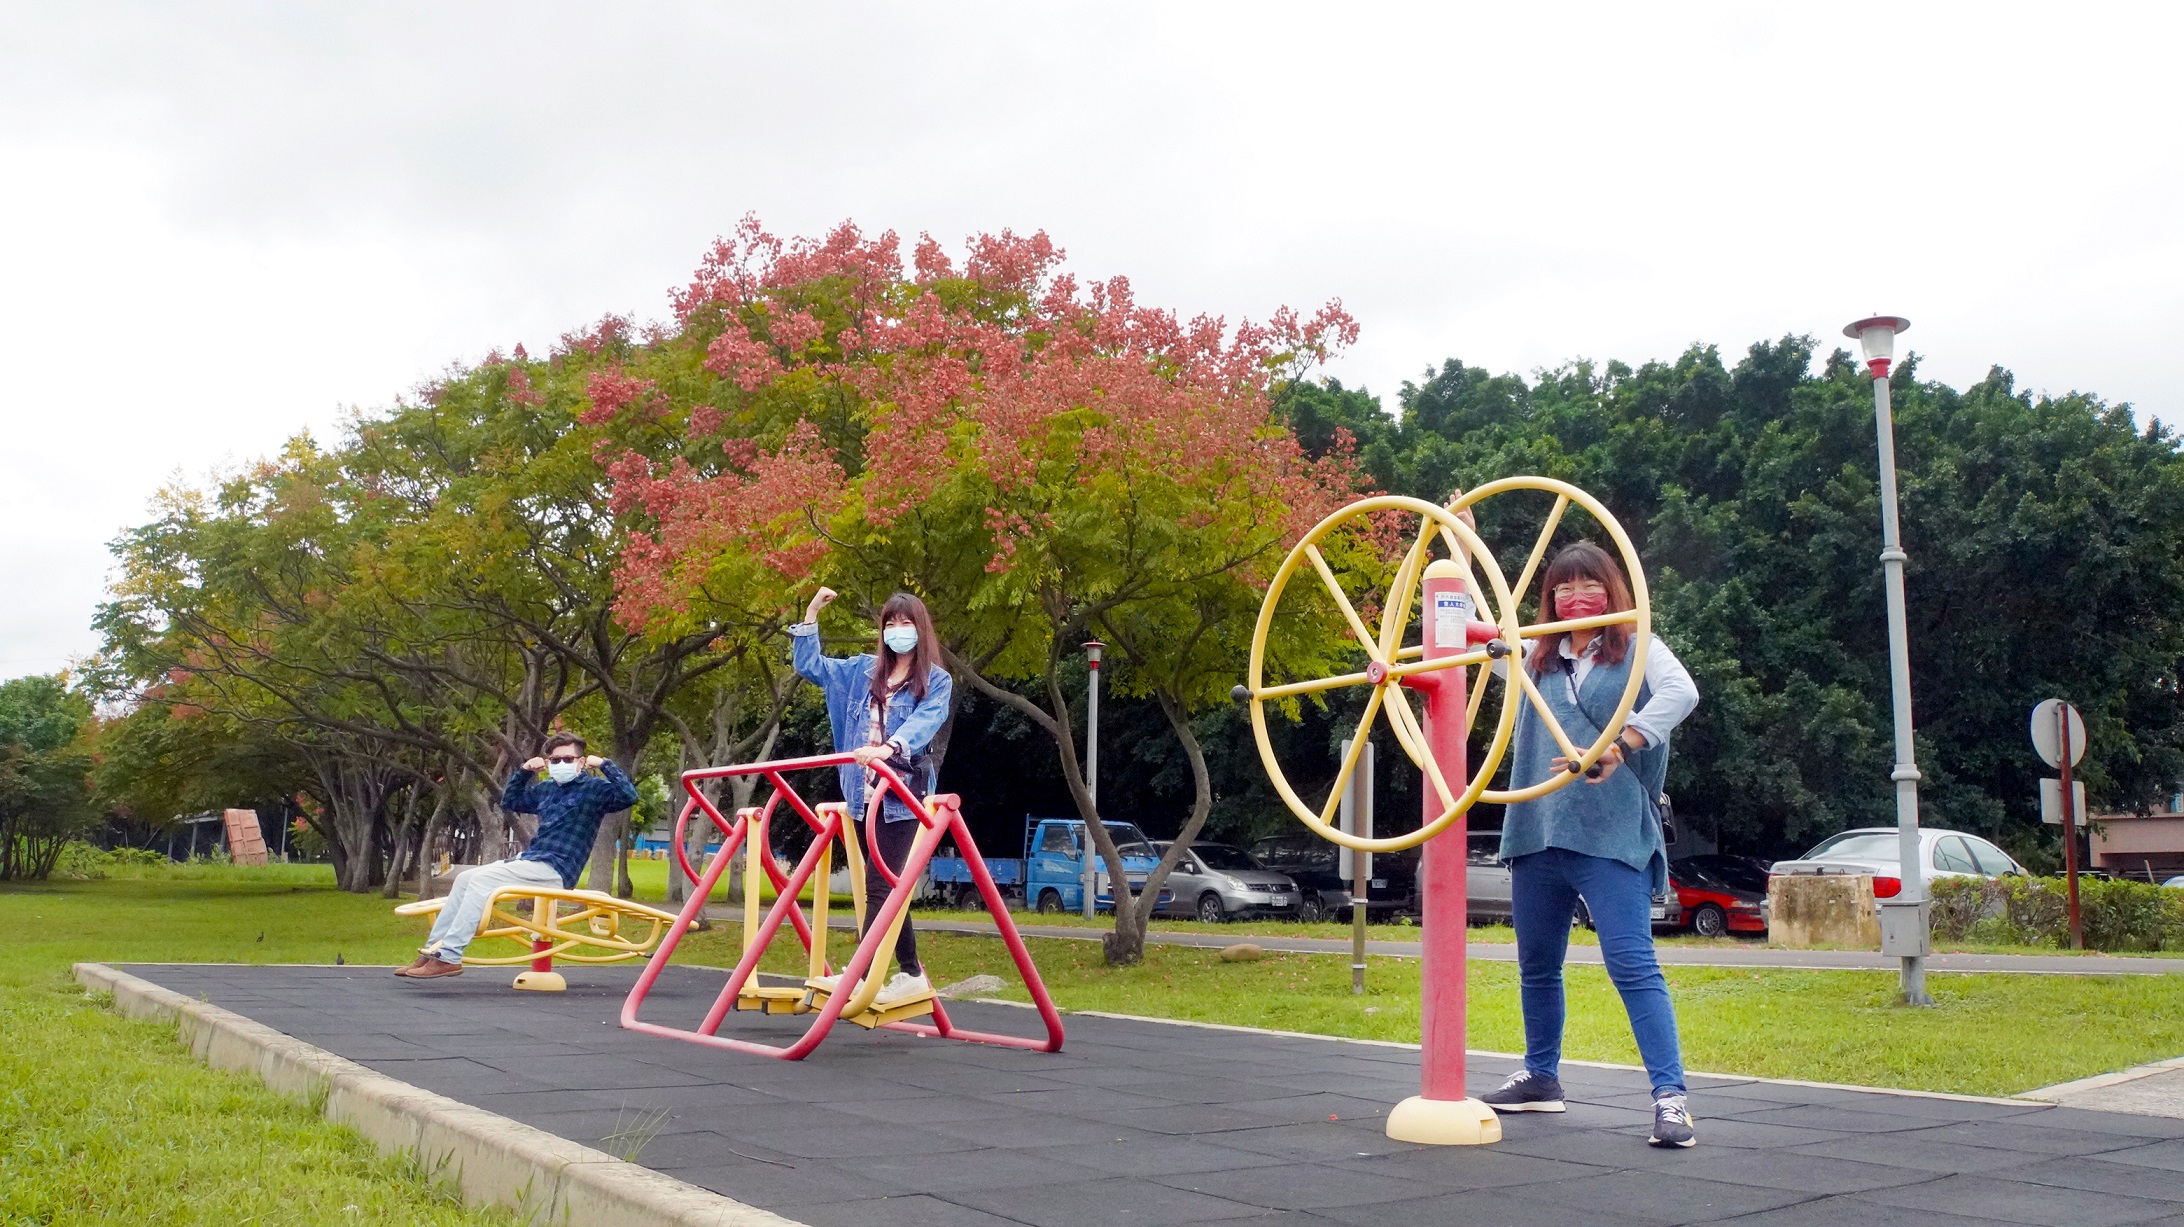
x=2177, y=882
x=1217, y=882
x=1721, y=894
x=1050, y=875
x=1877, y=851
x=1313, y=864
x=1487, y=894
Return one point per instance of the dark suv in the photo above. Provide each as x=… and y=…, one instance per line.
x=1315, y=865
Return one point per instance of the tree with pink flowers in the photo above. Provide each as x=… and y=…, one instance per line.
x=1045, y=460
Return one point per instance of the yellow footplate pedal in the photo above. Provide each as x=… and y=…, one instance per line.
x=878, y=1016
x=913, y=1007
x=773, y=1000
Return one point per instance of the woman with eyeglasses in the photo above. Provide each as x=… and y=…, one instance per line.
x=1598, y=839
x=886, y=705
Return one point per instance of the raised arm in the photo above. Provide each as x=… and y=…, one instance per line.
x=805, y=655
x=516, y=798
x=622, y=790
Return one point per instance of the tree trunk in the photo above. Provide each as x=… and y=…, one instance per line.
x=492, y=825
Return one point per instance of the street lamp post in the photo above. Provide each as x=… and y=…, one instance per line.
x=1904, y=931
x=1091, y=764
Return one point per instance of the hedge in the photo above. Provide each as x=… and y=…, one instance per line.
x=2019, y=911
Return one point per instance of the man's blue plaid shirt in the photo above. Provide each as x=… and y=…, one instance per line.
x=568, y=814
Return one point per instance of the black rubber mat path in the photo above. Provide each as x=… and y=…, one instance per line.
x=1138, y=1122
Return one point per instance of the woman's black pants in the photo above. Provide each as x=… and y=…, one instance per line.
x=895, y=840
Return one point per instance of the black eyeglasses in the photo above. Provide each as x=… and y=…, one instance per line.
x=562, y=758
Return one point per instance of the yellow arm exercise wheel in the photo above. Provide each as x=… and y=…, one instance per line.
x=1388, y=660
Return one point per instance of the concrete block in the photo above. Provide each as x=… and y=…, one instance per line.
x=631, y=1196
x=1808, y=910
x=495, y=1160
x=387, y=1111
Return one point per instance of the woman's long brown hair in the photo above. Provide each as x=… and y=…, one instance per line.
x=923, y=658
x=1582, y=560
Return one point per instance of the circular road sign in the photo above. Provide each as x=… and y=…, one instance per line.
x=2045, y=734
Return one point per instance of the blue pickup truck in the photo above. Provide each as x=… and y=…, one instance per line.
x=1050, y=875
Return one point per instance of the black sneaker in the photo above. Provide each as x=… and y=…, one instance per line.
x=1526, y=1092
x=1672, y=1123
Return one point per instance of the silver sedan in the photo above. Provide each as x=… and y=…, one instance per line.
x=1878, y=851
x=1216, y=882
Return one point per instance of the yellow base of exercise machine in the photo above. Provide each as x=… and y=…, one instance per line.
x=574, y=926
x=1444, y=1122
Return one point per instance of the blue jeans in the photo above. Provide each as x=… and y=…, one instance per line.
x=1546, y=886
x=464, y=910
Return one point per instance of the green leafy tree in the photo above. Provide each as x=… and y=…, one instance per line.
x=2046, y=537
x=45, y=787
x=1041, y=460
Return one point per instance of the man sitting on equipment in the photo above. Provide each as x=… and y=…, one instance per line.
x=577, y=792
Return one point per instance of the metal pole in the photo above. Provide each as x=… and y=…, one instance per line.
x=2070, y=826
x=1092, y=769
x=1906, y=775
x=1357, y=819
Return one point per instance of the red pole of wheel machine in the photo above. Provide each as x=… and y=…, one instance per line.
x=1441, y=1113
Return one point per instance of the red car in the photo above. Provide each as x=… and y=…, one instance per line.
x=1721, y=894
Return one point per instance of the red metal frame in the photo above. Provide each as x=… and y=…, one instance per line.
x=1442, y=861
x=942, y=818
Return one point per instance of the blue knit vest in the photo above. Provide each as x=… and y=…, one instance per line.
x=1619, y=818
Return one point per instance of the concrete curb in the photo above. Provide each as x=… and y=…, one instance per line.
x=492, y=1159
x=2063, y=1090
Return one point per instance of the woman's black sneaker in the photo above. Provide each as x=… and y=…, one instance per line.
x=1672, y=1123
x=1526, y=1092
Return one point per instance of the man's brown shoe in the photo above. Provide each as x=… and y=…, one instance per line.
x=403, y=971
x=431, y=968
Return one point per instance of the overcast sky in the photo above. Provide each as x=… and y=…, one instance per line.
x=222, y=224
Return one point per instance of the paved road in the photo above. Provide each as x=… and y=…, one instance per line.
x=1680, y=956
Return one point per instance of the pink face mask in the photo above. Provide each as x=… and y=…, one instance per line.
x=1582, y=605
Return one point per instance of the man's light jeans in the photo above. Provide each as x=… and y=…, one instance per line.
x=466, y=901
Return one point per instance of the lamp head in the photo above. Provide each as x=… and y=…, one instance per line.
x=1877, y=336
x=1092, y=652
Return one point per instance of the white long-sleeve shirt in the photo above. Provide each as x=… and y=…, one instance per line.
x=1674, y=693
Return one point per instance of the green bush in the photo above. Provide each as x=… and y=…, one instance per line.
x=2016, y=911
x=82, y=862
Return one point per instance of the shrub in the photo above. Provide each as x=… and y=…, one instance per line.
x=1959, y=903
x=2117, y=915
x=83, y=861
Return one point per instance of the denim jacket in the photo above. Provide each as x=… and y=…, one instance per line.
x=910, y=723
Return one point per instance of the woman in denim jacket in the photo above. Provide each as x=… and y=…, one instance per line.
x=885, y=706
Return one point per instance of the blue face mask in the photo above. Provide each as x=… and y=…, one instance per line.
x=899, y=639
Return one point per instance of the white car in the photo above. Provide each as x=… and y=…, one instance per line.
x=1877, y=850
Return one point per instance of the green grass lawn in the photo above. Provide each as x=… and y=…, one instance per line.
x=108, y=1120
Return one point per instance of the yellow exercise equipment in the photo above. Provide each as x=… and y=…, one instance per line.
x=552, y=934
x=1389, y=662
x=1453, y=639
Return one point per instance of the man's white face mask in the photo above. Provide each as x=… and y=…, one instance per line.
x=562, y=773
